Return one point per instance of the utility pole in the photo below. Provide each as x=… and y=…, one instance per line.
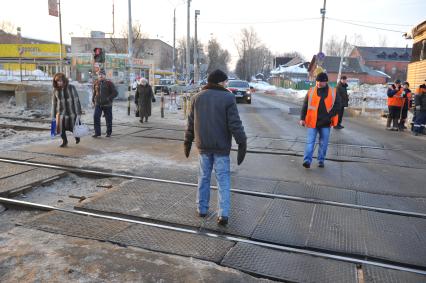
x=174, y=44
x=322, y=26
x=188, y=43
x=130, y=43
x=60, y=37
x=196, y=71
x=341, y=60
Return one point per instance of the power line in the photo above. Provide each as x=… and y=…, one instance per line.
x=366, y=26
x=261, y=22
x=367, y=22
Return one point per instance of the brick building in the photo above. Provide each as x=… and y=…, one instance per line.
x=390, y=60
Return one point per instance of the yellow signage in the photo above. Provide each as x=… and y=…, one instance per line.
x=31, y=51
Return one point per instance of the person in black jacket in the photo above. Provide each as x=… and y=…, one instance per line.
x=104, y=92
x=420, y=110
x=342, y=91
x=143, y=98
x=212, y=121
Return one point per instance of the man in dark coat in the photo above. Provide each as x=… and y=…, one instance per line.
x=66, y=107
x=143, y=98
x=420, y=110
x=212, y=122
x=342, y=91
x=104, y=92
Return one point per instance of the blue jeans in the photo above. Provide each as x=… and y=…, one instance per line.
x=221, y=164
x=324, y=134
x=97, y=119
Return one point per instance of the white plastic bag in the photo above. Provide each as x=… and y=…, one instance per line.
x=80, y=129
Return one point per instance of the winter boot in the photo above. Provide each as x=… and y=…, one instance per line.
x=395, y=126
x=388, y=124
x=64, y=143
x=77, y=140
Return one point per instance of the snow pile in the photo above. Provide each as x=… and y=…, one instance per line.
x=15, y=75
x=370, y=96
x=263, y=86
x=296, y=95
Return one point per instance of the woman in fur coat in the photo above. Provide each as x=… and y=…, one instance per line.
x=66, y=106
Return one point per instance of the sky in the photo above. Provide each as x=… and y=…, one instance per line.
x=282, y=25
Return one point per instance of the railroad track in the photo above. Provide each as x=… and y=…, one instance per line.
x=246, y=192
x=279, y=247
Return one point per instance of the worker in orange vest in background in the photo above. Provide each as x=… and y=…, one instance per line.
x=406, y=105
x=395, y=103
x=319, y=113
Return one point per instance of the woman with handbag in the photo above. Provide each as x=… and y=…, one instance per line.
x=143, y=98
x=66, y=107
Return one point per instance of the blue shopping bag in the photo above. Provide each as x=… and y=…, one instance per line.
x=53, y=128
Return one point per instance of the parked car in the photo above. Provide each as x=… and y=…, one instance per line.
x=164, y=86
x=241, y=90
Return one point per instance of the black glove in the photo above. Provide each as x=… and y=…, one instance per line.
x=242, y=149
x=187, y=148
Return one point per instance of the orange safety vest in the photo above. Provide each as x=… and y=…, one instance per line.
x=313, y=104
x=407, y=99
x=396, y=100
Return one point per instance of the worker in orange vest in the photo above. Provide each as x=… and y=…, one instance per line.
x=420, y=110
x=319, y=113
x=395, y=103
x=406, y=105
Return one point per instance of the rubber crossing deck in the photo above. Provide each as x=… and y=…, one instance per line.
x=18, y=183
x=329, y=228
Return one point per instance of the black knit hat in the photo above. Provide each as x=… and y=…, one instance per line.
x=322, y=77
x=398, y=81
x=217, y=76
x=406, y=83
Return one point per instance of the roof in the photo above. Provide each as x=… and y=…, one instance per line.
x=384, y=53
x=350, y=65
x=295, y=69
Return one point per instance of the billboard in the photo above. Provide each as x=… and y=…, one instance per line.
x=30, y=51
x=53, y=8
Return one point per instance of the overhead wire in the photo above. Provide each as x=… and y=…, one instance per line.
x=365, y=26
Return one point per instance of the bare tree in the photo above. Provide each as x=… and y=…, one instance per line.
x=335, y=45
x=383, y=40
x=120, y=45
x=254, y=57
x=181, y=54
x=8, y=27
x=218, y=58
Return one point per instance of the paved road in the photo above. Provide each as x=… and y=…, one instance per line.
x=368, y=166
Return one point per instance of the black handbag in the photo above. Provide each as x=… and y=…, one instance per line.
x=137, y=113
x=153, y=99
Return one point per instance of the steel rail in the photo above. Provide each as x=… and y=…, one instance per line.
x=228, y=237
x=246, y=192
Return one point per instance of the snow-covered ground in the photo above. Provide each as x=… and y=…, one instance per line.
x=7, y=75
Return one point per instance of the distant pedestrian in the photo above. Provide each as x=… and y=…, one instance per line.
x=143, y=98
x=104, y=92
x=341, y=90
x=319, y=112
x=420, y=110
x=395, y=102
x=406, y=105
x=212, y=121
x=66, y=107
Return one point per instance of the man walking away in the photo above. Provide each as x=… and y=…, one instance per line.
x=104, y=93
x=212, y=121
x=394, y=104
x=406, y=105
x=420, y=103
x=342, y=91
x=319, y=113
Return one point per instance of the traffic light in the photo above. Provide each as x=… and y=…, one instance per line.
x=99, y=55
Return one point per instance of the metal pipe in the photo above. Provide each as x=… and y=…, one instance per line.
x=217, y=236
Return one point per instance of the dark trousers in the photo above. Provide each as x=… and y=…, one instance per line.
x=97, y=119
x=341, y=112
x=63, y=132
x=419, y=121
